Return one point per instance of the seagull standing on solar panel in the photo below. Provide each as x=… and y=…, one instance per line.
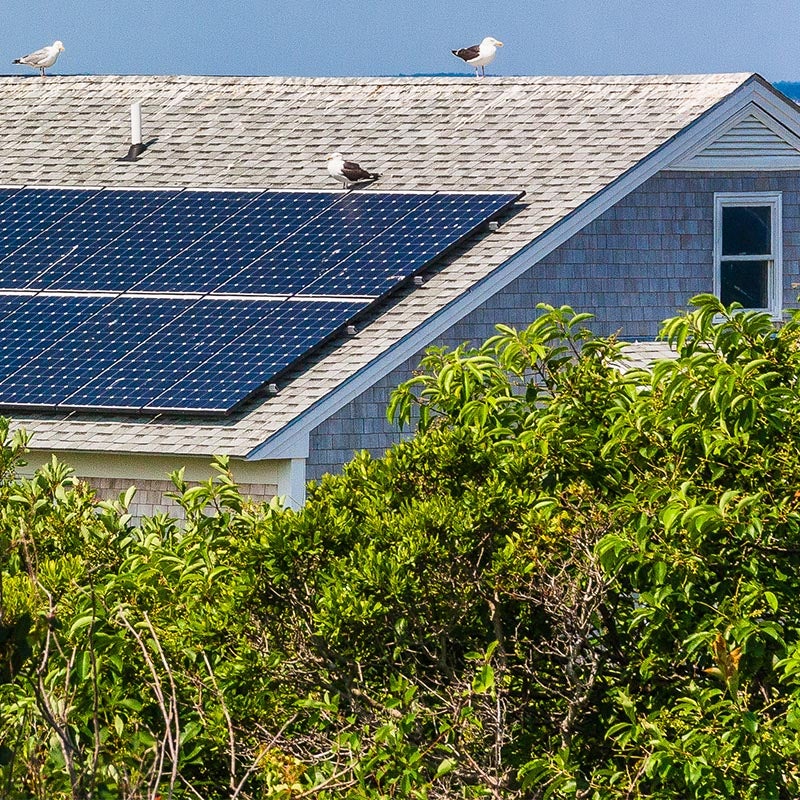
x=479, y=55
x=40, y=59
x=348, y=172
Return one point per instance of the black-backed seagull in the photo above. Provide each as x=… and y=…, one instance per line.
x=348, y=172
x=479, y=55
x=40, y=59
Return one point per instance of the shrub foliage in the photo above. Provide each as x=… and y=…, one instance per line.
x=572, y=582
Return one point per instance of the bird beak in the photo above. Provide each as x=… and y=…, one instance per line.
x=61, y=49
x=498, y=44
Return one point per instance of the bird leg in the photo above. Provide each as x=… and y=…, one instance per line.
x=41, y=70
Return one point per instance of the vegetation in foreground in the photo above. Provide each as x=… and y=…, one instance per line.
x=571, y=583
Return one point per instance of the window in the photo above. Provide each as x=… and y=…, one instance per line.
x=747, y=250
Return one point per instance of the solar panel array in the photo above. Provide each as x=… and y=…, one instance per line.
x=191, y=300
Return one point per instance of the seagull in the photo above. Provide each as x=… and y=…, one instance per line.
x=40, y=59
x=479, y=55
x=348, y=172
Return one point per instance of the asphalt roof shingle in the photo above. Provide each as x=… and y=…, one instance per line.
x=560, y=139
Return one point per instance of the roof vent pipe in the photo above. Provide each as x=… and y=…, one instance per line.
x=136, y=148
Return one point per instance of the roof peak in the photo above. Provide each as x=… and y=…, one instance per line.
x=691, y=78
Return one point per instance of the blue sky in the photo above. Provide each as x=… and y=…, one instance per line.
x=390, y=37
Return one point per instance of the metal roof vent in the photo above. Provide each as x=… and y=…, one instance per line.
x=136, y=148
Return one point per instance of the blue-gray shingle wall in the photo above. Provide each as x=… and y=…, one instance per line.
x=632, y=267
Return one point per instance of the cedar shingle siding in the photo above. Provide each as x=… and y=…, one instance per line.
x=632, y=267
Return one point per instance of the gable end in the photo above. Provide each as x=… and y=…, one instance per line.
x=752, y=139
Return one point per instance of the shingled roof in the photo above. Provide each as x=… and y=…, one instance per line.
x=561, y=140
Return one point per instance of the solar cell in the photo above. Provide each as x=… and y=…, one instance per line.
x=86, y=346
x=176, y=222
x=253, y=358
x=78, y=235
x=25, y=215
x=170, y=354
x=239, y=241
x=322, y=243
x=7, y=192
x=406, y=247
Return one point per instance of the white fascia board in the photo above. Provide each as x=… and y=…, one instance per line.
x=289, y=438
x=295, y=446
x=777, y=106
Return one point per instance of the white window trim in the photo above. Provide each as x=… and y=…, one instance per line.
x=775, y=275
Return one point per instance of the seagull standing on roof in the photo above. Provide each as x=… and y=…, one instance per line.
x=40, y=59
x=348, y=172
x=479, y=55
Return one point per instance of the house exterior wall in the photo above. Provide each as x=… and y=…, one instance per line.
x=633, y=266
x=112, y=475
x=151, y=495
x=360, y=425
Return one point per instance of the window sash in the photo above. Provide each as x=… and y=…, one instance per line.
x=773, y=260
x=740, y=284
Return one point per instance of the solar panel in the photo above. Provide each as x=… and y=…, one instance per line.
x=78, y=236
x=87, y=348
x=406, y=247
x=237, y=242
x=193, y=300
x=151, y=239
x=7, y=192
x=31, y=324
x=251, y=359
x=25, y=215
x=322, y=243
x=166, y=357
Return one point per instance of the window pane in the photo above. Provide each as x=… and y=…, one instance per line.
x=745, y=282
x=746, y=231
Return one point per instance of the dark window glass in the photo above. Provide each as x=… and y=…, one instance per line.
x=745, y=282
x=746, y=231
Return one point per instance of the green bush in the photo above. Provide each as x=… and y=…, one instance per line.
x=571, y=582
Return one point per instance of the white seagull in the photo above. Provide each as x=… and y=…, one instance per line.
x=348, y=172
x=40, y=59
x=479, y=55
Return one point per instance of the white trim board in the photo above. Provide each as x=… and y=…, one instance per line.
x=293, y=437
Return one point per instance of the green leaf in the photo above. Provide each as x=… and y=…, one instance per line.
x=446, y=766
x=484, y=680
